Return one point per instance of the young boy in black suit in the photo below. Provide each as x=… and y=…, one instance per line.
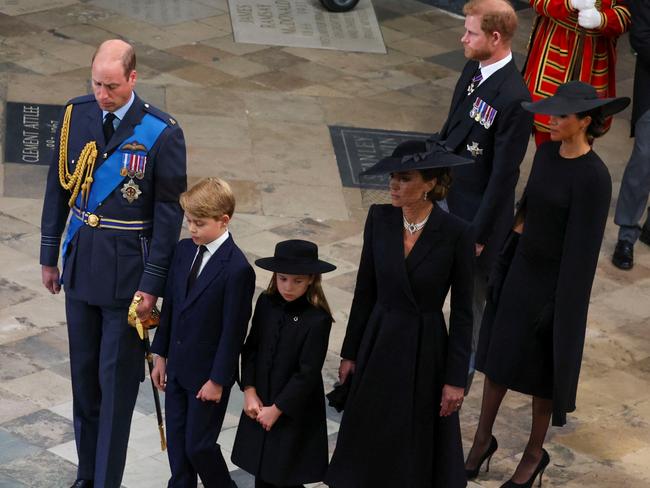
x=203, y=323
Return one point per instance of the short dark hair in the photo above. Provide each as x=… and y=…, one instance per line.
x=443, y=182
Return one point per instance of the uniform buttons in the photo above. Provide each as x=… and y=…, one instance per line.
x=295, y=319
x=105, y=155
x=146, y=105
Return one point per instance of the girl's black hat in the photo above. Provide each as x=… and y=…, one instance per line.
x=432, y=156
x=575, y=97
x=297, y=257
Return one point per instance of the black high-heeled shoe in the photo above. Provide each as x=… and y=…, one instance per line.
x=473, y=473
x=539, y=470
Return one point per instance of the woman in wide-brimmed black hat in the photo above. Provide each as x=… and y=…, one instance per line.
x=400, y=424
x=533, y=328
x=282, y=433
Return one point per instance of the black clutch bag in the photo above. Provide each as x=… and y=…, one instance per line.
x=339, y=395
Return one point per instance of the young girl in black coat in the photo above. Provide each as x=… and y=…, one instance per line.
x=282, y=434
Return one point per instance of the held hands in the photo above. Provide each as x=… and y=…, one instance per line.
x=50, y=277
x=268, y=416
x=346, y=368
x=583, y=4
x=145, y=307
x=452, y=399
x=210, y=392
x=590, y=18
x=252, y=403
x=159, y=375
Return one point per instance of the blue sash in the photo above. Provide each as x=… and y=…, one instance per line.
x=107, y=177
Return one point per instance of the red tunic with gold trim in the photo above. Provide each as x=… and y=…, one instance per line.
x=559, y=47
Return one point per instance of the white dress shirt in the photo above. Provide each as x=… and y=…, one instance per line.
x=211, y=249
x=489, y=70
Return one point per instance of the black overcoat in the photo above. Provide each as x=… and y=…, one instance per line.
x=283, y=357
x=532, y=338
x=391, y=432
x=640, y=41
x=483, y=193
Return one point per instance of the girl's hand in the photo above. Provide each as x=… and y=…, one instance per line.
x=268, y=416
x=452, y=400
x=159, y=375
x=252, y=403
x=210, y=392
x=346, y=368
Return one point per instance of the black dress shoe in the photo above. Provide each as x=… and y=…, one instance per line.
x=645, y=233
x=539, y=470
x=623, y=257
x=83, y=484
x=487, y=455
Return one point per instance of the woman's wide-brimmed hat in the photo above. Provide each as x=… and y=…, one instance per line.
x=575, y=97
x=295, y=256
x=417, y=155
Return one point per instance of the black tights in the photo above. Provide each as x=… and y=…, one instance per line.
x=263, y=484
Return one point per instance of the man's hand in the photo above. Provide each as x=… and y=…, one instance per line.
x=590, y=18
x=268, y=416
x=210, y=392
x=50, y=277
x=159, y=375
x=478, y=249
x=145, y=307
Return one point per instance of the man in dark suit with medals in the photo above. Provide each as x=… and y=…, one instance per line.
x=118, y=170
x=487, y=123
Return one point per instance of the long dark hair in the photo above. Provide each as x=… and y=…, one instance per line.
x=314, y=293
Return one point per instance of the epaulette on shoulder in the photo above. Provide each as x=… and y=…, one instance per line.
x=82, y=99
x=156, y=112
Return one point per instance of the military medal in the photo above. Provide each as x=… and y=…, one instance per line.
x=131, y=191
x=483, y=113
x=474, y=149
x=134, y=160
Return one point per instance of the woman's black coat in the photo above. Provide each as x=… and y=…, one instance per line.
x=282, y=358
x=391, y=432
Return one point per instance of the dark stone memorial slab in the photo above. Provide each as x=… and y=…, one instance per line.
x=30, y=132
x=357, y=149
x=456, y=6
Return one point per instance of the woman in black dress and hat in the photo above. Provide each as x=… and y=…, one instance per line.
x=282, y=433
x=400, y=424
x=533, y=329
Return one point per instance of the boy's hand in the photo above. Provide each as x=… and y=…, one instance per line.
x=252, y=403
x=268, y=416
x=159, y=375
x=210, y=392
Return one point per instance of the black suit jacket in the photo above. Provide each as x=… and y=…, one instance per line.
x=483, y=193
x=201, y=332
x=640, y=40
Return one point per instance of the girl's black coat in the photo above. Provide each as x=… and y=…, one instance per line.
x=283, y=357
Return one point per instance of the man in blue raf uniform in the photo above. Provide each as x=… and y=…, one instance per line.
x=117, y=173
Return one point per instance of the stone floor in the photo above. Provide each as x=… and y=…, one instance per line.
x=259, y=116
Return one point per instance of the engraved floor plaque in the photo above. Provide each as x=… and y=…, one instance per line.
x=305, y=23
x=30, y=132
x=358, y=149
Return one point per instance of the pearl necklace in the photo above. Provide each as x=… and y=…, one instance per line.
x=412, y=228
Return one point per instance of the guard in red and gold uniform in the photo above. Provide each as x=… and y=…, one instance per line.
x=573, y=39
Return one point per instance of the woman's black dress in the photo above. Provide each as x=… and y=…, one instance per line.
x=532, y=338
x=391, y=433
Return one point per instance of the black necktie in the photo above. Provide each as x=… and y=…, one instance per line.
x=196, y=266
x=109, y=128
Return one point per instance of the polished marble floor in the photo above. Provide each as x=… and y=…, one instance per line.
x=259, y=116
